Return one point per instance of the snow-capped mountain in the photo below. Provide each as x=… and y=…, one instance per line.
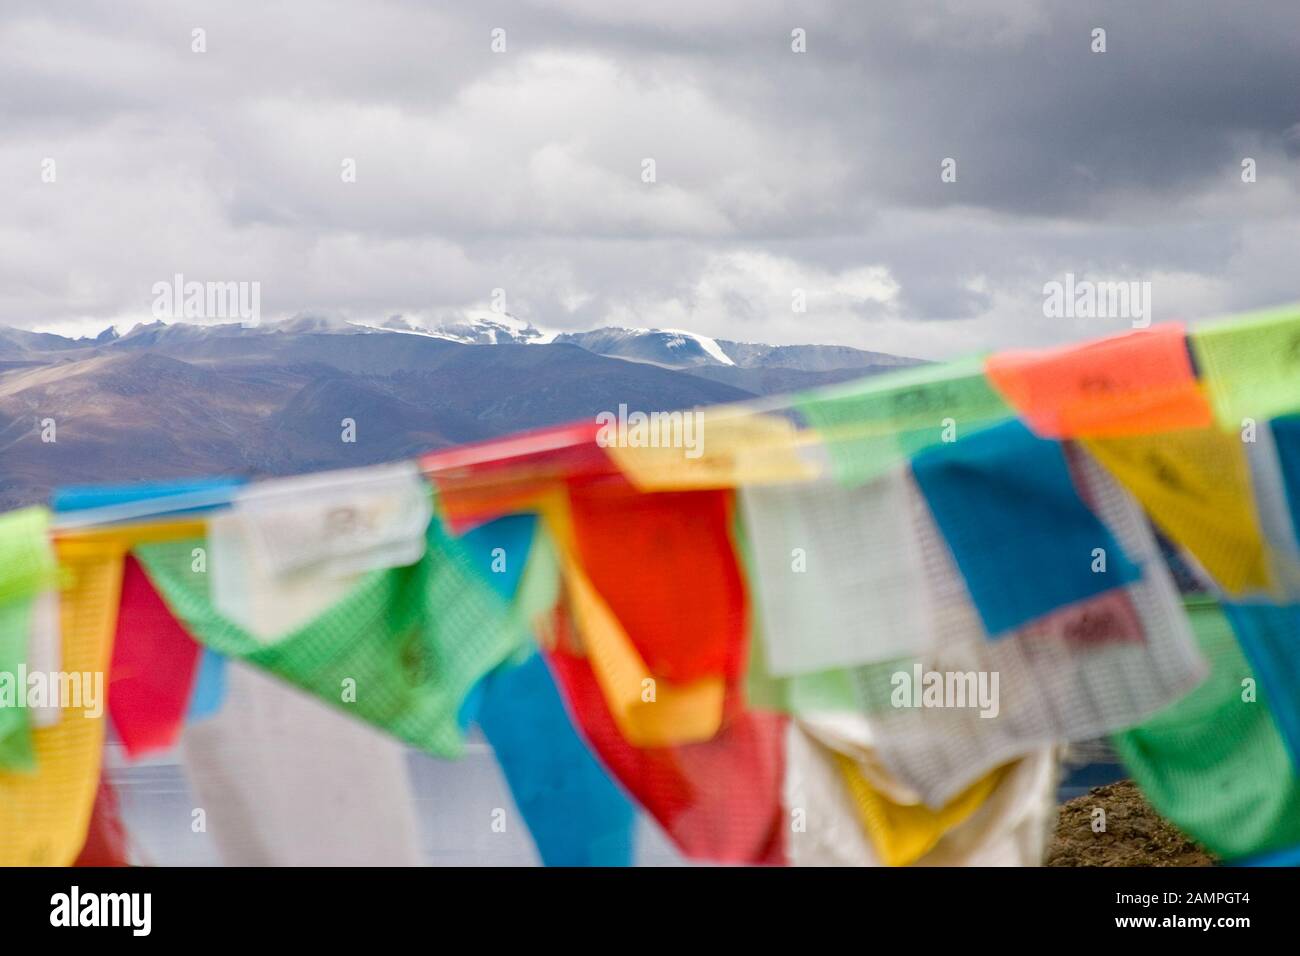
x=669, y=348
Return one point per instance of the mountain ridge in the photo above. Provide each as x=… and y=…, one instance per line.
x=186, y=400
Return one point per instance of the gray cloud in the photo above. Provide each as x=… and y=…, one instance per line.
x=775, y=170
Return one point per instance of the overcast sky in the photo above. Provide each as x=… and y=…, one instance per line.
x=775, y=170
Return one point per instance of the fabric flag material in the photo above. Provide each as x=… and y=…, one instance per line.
x=27, y=567
x=1269, y=636
x=209, y=685
x=650, y=712
x=690, y=622
x=1025, y=542
x=723, y=447
x=1196, y=486
x=184, y=492
x=872, y=425
x=822, y=691
x=1134, y=384
x=717, y=799
x=836, y=573
x=1275, y=502
x=939, y=721
x=107, y=842
x=44, y=651
x=284, y=780
x=1251, y=365
x=577, y=816
x=334, y=524
x=153, y=668
x=1214, y=763
x=661, y=653
x=289, y=549
x=1286, y=436
x=901, y=829
x=401, y=649
x=1008, y=828
x=44, y=815
x=902, y=833
x=486, y=480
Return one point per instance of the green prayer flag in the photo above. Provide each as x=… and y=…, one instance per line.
x=400, y=651
x=27, y=567
x=1214, y=762
x=871, y=425
x=1251, y=364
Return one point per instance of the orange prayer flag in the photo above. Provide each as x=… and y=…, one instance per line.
x=1133, y=384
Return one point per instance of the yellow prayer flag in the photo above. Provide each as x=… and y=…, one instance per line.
x=1195, y=484
x=44, y=815
x=725, y=447
x=903, y=833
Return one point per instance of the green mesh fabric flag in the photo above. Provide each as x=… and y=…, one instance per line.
x=1251, y=364
x=401, y=650
x=1213, y=763
x=871, y=425
x=27, y=566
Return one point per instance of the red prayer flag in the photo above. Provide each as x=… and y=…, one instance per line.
x=153, y=667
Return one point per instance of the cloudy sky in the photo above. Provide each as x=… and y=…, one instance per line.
x=774, y=170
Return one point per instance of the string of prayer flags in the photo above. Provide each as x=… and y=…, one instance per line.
x=1025, y=542
x=1134, y=384
x=1213, y=763
x=1251, y=365
x=871, y=425
x=882, y=607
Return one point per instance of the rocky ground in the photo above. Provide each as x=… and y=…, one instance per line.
x=1133, y=834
